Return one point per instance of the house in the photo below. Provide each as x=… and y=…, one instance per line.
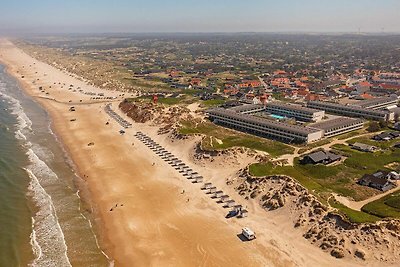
x=394, y=175
x=324, y=157
x=386, y=136
x=195, y=81
x=395, y=134
x=397, y=125
x=379, y=180
x=364, y=147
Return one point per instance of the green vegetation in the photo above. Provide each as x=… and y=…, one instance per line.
x=213, y=102
x=340, y=178
x=350, y=134
x=369, y=141
x=314, y=145
x=393, y=201
x=265, y=169
x=170, y=100
x=164, y=100
x=218, y=138
x=388, y=206
x=354, y=215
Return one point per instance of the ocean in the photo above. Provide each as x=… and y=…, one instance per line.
x=43, y=221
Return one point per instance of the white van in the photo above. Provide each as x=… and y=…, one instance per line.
x=249, y=234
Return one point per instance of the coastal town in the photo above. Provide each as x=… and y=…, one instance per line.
x=264, y=133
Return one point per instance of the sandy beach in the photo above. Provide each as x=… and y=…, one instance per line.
x=146, y=213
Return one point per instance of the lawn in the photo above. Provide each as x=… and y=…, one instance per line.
x=380, y=144
x=354, y=215
x=213, y=102
x=388, y=206
x=339, y=178
x=165, y=100
x=314, y=145
x=170, y=100
x=223, y=138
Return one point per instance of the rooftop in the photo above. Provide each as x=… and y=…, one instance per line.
x=349, y=107
x=375, y=101
x=264, y=122
x=292, y=107
x=335, y=123
x=245, y=108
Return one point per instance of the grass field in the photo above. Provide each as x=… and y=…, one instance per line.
x=380, y=144
x=341, y=179
x=213, y=102
x=228, y=138
x=388, y=206
x=354, y=215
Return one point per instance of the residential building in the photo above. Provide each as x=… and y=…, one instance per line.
x=386, y=136
x=379, y=180
x=364, y=147
x=321, y=157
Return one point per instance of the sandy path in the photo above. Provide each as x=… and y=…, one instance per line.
x=357, y=205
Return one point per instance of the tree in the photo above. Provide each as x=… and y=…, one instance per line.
x=373, y=127
x=383, y=124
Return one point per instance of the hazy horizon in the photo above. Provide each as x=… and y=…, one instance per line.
x=218, y=16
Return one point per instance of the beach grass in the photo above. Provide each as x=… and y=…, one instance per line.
x=341, y=179
x=213, y=102
x=388, y=206
x=220, y=138
x=354, y=216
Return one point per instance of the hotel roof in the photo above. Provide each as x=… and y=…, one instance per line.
x=293, y=107
x=335, y=123
x=245, y=108
x=264, y=122
x=348, y=107
x=376, y=101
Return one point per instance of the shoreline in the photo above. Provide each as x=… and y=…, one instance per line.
x=82, y=190
x=158, y=227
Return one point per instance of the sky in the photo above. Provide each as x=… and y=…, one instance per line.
x=101, y=16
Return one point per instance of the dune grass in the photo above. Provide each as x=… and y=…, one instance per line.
x=228, y=138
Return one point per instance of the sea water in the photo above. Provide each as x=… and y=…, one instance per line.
x=42, y=221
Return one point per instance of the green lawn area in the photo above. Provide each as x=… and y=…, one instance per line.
x=213, y=102
x=165, y=100
x=230, y=138
x=170, y=100
x=388, y=206
x=393, y=201
x=340, y=178
x=354, y=215
x=351, y=134
x=380, y=144
x=314, y=145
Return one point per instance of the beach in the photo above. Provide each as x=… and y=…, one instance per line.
x=144, y=212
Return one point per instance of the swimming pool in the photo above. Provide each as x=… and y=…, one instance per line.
x=277, y=117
